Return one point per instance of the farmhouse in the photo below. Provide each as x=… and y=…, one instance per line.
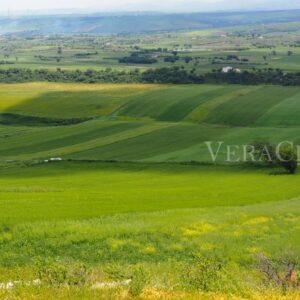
x=230, y=69
x=227, y=69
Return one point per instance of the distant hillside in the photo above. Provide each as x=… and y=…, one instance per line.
x=135, y=23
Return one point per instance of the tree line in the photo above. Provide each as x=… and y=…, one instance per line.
x=175, y=75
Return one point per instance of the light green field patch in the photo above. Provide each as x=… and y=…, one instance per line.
x=149, y=250
x=169, y=104
x=182, y=108
x=199, y=229
x=284, y=114
x=90, y=190
x=257, y=220
x=75, y=103
x=202, y=111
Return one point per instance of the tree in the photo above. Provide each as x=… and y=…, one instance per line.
x=284, y=155
x=138, y=58
x=288, y=158
x=188, y=59
x=59, y=50
x=264, y=152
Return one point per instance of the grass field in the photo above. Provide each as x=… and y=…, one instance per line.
x=256, y=47
x=112, y=217
x=136, y=210
x=216, y=104
x=132, y=187
x=143, y=123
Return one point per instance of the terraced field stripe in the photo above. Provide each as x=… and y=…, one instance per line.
x=156, y=104
x=245, y=110
x=196, y=150
x=32, y=135
x=284, y=114
x=8, y=132
x=204, y=109
x=68, y=101
x=187, y=104
x=123, y=135
x=157, y=143
x=150, y=105
x=75, y=135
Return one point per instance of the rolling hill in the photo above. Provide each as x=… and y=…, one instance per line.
x=135, y=23
x=128, y=192
x=154, y=123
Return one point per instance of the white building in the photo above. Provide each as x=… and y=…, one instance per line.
x=230, y=69
x=227, y=69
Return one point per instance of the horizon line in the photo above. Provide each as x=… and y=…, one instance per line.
x=75, y=11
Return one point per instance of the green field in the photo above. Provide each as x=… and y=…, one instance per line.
x=40, y=187
x=143, y=123
x=255, y=46
x=136, y=196
x=112, y=217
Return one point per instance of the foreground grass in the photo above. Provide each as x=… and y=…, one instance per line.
x=165, y=244
x=163, y=219
x=148, y=294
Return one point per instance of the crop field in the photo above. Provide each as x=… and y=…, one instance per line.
x=139, y=154
x=135, y=209
x=244, y=47
x=149, y=123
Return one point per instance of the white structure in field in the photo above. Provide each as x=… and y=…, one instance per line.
x=227, y=69
x=53, y=159
x=230, y=69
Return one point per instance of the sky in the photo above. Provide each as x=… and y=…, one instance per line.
x=31, y=6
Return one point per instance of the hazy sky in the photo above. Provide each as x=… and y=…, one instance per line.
x=150, y=5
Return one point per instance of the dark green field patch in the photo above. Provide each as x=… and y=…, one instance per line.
x=21, y=120
x=78, y=135
x=155, y=143
x=182, y=108
x=69, y=105
x=169, y=104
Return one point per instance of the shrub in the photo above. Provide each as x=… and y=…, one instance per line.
x=285, y=156
x=116, y=272
x=139, y=280
x=264, y=151
x=58, y=273
x=280, y=272
x=203, y=274
x=288, y=158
